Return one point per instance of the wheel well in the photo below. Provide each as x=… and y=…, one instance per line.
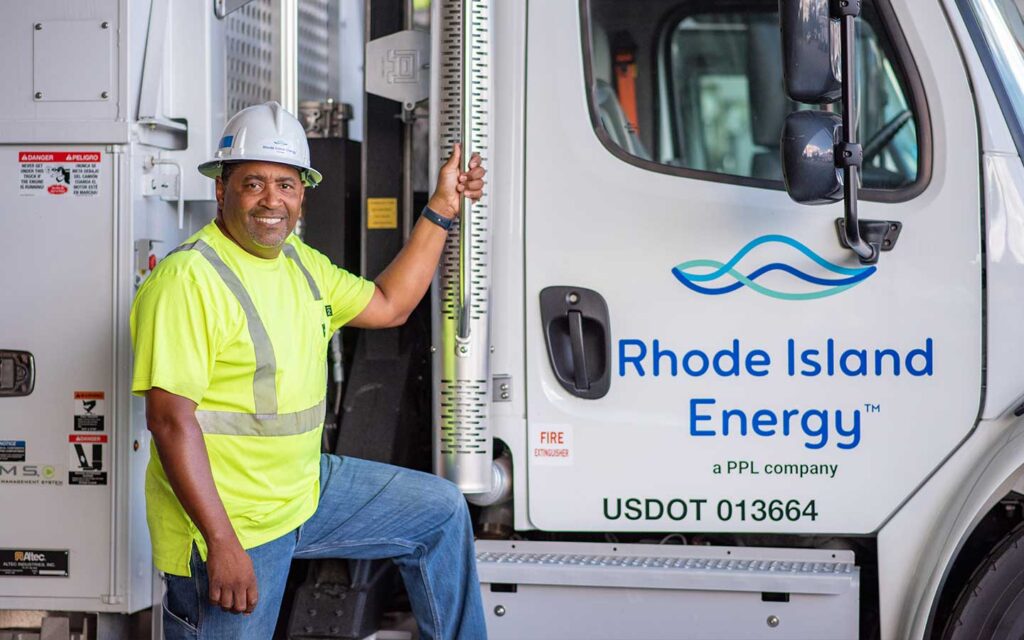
x=1000, y=520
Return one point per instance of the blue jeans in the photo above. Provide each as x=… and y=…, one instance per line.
x=367, y=510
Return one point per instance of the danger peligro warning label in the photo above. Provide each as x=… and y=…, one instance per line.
x=59, y=173
x=87, y=454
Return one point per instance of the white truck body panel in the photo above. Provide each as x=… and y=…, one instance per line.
x=917, y=546
x=948, y=496
x=640, y=441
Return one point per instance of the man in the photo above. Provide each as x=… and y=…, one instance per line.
x=230, y=334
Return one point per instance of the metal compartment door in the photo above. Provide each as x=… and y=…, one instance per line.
x=57, y=291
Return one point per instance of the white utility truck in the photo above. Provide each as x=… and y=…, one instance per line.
x=684, y=402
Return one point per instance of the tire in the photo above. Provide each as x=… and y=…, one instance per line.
x=991, y=606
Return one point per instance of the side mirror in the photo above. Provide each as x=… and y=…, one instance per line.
x=808, y=157
x=821, y=158
x=811, y=51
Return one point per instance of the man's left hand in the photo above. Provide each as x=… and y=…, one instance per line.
x=453, y=184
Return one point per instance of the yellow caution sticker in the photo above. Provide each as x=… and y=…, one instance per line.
x=382, y=213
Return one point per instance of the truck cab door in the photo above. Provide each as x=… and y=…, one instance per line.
x=702, y=353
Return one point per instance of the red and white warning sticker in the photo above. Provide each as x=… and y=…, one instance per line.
x=88, y=459
x=90, y=410
x=59, y=173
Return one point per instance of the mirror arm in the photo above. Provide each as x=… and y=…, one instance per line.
x=849, y=154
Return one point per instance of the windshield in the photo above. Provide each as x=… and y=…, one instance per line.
x=1001, y=29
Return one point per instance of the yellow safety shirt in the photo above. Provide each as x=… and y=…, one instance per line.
x=245, y=338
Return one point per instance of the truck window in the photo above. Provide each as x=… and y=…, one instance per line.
x=699, y=87
x=998, y=31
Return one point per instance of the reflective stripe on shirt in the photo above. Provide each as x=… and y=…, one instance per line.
x=266, y=421
x=229, y=423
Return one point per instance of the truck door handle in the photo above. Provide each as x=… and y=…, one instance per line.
x=579, y=351
x=577, y=332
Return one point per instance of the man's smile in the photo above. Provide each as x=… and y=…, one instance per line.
x=269, y=221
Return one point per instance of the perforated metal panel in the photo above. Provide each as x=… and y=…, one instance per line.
x=464, y=433
x=764, y=566
x=314, y=52
x=251, y=55
x=464, y=417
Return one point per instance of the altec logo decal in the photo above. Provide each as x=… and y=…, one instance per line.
x=693, y=275
x=29, y=556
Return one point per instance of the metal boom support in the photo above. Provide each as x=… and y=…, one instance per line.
x=462, y=81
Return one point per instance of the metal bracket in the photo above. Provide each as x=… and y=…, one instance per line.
x=501, y=389
x=848, y=154
x=164, y=185
x=880, y=234
x=221, y=8
x=843, y=8
x=163, y=133
x=398, y=67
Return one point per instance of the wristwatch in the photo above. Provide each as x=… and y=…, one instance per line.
x=437, y=218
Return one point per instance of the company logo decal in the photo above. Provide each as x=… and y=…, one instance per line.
x=693, y=274
x=280, y=145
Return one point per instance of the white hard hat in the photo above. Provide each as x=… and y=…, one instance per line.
x=263, y=133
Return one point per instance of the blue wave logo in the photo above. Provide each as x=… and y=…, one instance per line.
x=693, y=273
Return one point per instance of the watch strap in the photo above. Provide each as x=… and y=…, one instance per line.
x=437, y=218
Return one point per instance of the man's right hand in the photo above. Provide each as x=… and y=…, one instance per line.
x=179, y=441
x=232, y=578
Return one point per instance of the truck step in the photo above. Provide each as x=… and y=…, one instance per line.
x=599, y=591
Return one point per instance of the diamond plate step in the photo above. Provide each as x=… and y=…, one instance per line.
x=542, y=590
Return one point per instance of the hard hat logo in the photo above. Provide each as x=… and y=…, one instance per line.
x=280, y=146
x=263, y=133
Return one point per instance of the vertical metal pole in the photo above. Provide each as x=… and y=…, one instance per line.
x=465, y=206
x=288, y=62
x=408, y=122
x=461, y=114
x=334, y=54
x=407, y=192
x=120, y=267
x=851, y=170
x=381, y=149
